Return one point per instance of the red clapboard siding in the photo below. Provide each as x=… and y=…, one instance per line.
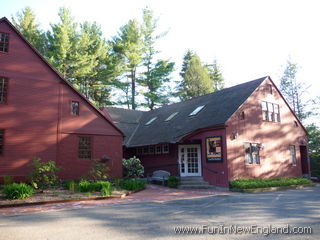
x=37, y=119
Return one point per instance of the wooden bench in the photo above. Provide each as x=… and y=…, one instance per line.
x=160, y=176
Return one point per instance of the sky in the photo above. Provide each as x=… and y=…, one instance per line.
x=249, y=38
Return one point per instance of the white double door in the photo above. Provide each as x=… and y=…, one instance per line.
x=190, y=160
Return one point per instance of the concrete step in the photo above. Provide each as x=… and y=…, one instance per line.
x=194, y=183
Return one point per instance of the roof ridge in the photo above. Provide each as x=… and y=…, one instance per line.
x=207, y=94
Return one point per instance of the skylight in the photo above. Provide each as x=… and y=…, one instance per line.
x=151, y=120
x=195, y=112
x=171, y=116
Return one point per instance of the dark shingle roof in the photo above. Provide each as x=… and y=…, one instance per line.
x=219, y=106
x=125, y=119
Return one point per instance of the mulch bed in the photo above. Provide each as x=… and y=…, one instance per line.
x=56, y=195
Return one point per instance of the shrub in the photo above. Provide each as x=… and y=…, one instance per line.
x=7, y=180
x=17, y=191
x=173, y=182
x=106, y=189
x=315, y=165
x=133, y=184
x=72, y=186
x=132, y=167
x=87, y=186
x=117, y=182
x=43, y=174
x=247, y=183
x=98, y=170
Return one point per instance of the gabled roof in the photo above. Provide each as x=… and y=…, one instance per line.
x=218, y=108
x=4, y=19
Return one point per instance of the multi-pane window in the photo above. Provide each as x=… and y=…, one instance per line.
x=3, y=89
x=158, y=149
x=293, y=155
x=84, y=150
x=165, y=148
x=252, y=153
x=151, y=149
x=1, y=141
x=270, y=112
x=4, y=42
x=74, y=108
x=145, y=150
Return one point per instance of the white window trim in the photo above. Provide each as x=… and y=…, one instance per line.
x=163, y=148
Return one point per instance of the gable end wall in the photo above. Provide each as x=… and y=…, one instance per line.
x=275, y=159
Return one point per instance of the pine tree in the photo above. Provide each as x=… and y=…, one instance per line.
x=293, y=90
x=26, y=23
x=216, y=77
x=186, y=62
x=196, y=80
x=91, y=74
x=128, y=46
x=63, y=45
x=156, y=73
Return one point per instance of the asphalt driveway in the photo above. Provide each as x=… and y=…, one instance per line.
x=157, y=220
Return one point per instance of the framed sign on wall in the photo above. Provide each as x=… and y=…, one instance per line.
x=214, y=149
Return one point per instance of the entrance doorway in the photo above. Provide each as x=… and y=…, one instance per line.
x=190, y=160
x=304, y=160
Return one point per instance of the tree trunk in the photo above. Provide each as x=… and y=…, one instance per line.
x=133, y=89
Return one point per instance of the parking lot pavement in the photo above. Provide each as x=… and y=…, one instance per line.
x=160, y=219
x=152, y=193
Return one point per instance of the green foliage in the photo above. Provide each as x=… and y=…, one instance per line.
x=132, y=185
x=26, y=23
x=314, y=138
x=98, y=170
x=7, y=180
x=87, y=186
x=43, y=174
x=156, y=73
x=117, y=182
x=294, y=90
x=72, y=186
x=132, y=167
x=95, y=66
x=173, y=182
x=17, y=191
x=127, y=45
x=157, y=93
x=248, y=183
x=106, y=189
x=315, y=165
x=196, y=80
x=63, y=44
x=215, y=75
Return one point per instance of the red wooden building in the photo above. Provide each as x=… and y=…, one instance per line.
x=247, y=130
x=42, y=115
